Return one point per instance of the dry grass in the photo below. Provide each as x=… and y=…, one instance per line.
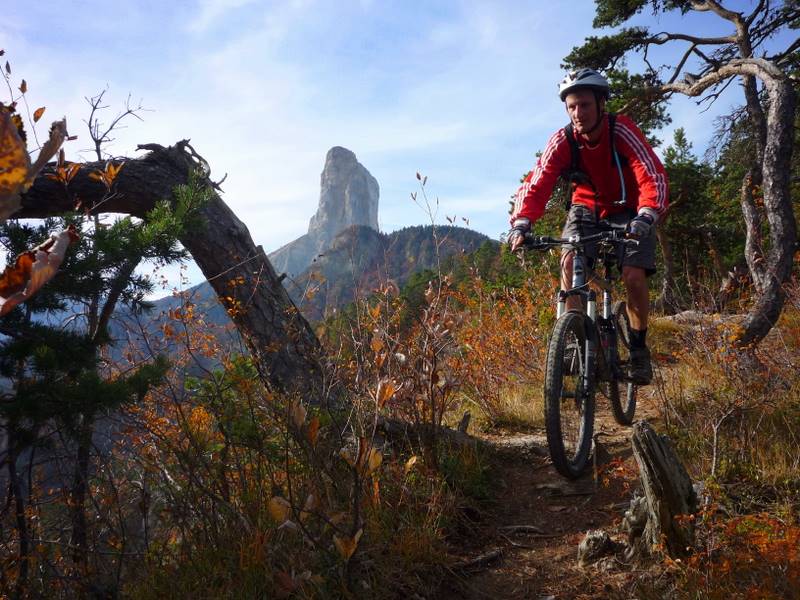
x=521, y=406
x=735, y=417
x=735, y=414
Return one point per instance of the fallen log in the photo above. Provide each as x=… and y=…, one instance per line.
x=284, y=347
x=407, y=433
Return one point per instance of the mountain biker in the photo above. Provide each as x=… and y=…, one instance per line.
x=615, y=176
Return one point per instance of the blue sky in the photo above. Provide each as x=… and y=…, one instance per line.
x=462, y=91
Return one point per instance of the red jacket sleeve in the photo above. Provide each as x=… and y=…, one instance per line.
x=531, y=198
x=651, y=178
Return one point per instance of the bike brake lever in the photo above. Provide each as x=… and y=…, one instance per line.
x=534, y=242
x=631, y=241
x=537, y=242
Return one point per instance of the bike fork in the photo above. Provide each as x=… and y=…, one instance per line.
x=591, y=339
x=612, y=350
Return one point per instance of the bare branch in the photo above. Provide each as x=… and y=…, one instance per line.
x=665, y=36
x=717, y=9
x=649, y=95
x=128, y=111
x=118, y=285
x=769, y=26
x=749, y=20
x=95, y=126
x=712, y=98
x=92, y=123
x=779, y=58
x=217, y=185
x=682, y=62
x=712, y=62
x=756, y=67
x=646, y=59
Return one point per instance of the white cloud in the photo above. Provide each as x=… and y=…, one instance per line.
x=211, y=11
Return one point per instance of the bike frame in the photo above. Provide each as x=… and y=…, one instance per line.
x=597, y=361
x=605, y=330
x=597, y=329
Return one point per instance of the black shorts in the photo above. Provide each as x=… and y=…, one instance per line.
x=581, y=221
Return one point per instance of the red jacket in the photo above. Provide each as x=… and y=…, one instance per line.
x=645, y=178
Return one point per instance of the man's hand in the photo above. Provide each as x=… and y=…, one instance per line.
x=516, y=237
x=640, y=225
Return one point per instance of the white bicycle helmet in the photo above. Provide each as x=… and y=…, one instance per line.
x=583, y=79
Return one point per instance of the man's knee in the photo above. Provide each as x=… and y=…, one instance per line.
x=634, y=277
x=566, y=266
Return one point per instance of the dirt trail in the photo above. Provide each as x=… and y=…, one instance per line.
x=541, y=562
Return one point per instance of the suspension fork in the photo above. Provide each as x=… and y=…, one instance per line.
x=607, y=328
x=589, y=298
x=592, y=342
x=589, y=317
x=578, y=281
x=612, y=351
x=590, y=327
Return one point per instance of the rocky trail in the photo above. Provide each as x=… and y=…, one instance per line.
x=525, y=545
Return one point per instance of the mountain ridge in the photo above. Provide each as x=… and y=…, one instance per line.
x=358, y=260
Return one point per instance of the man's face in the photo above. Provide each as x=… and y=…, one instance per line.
x=582, y=109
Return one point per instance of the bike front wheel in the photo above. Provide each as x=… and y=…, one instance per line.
x=623, y=401
x=569, y=397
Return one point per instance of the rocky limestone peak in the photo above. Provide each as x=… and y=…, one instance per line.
x=348, y=196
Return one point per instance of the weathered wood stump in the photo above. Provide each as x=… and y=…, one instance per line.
x=660, y=521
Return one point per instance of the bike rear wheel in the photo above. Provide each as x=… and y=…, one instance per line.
x=623, y=401
x=569, y=397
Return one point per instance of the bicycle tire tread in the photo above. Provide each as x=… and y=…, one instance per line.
x=623, y=414
x=552, y=404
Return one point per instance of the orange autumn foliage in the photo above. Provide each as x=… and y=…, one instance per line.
x=748, y=556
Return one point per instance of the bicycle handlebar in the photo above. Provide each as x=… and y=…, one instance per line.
x=615, y=235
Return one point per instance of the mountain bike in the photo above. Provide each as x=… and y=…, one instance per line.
x=585, y=349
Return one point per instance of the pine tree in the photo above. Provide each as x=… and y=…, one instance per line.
x=53, y=358
x=692, y=237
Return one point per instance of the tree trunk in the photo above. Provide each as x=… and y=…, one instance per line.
x=21, y=519
x=668, y=495
x=667, y=301
x=77, y=497
x=774, y=174
x=283, y=346
x=753, y=221
x=713, y=249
